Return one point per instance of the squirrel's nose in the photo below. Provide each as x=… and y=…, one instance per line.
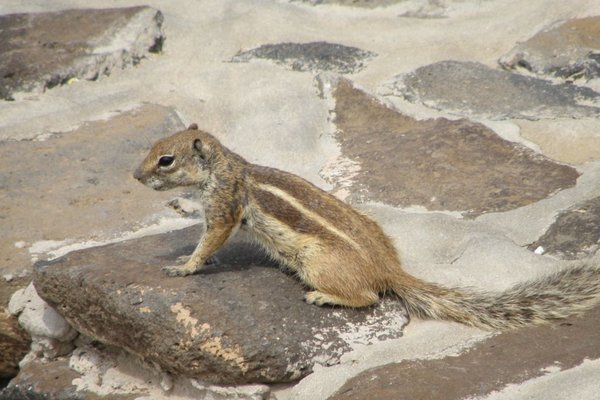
x=138, y=174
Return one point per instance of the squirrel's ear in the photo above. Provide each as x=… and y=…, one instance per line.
x=200, y=149
x=193, y=127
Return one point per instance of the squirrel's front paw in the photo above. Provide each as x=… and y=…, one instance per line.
x=176, y=270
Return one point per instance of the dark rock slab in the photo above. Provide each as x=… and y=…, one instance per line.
x=43, y=50
x=438, y=164
x=509, y=358
x=575, y=233
x=314, y=56
x=471, y=88
x=568, y=49
x=240, y=321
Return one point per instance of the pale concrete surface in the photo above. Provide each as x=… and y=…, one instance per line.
x=274, y=116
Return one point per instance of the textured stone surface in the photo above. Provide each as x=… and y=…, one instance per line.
x=474, y=89
x=50, y=380
x=96, y=371
x=85, y=173
x=51, y=334
x=70, y=174
x=572, y=141
x=567, y=49
x=39, y=51
x=14, y=341
x=574, y=234
x=439, y=164
x=14, y=344
x=355, y=3
x=238, y=322
x=509, y=358
x=314, y=56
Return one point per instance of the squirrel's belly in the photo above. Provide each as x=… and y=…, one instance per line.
x=285, y=245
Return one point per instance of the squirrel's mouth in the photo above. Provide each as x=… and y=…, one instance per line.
x=156, y=184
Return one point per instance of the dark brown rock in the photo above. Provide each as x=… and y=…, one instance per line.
x=574, y=234
x=568, y=49
x=39, y=51
x=470, y=88
x=509, y=358
x=236, y=322
x=14, y=341
x=439, y=164
x=314, y=56
x=14, y=344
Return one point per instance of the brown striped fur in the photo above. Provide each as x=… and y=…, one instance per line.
x=343, y=255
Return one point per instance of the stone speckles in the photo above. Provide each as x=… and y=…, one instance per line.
x=314, y=56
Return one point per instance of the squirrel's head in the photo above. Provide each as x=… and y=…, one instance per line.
x=183, y=159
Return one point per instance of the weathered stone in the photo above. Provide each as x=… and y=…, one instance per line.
x=567, y=140
x=354, y=3
x=37, y=318
x=96, y=371
x=40, y=51
x=438, y=164
x=510, y=358
x=567, y=49
x=474, y=89
x=51, y=334
x=14, y=344
x=67, y=173
x=241, y=321
x=49, y=380
x=574, y=234
x=14, y=341
x=314, y=56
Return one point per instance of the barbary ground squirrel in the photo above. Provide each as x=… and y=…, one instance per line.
x=343, y=255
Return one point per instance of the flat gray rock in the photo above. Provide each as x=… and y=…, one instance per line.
x=568, y=49
x=241, y=321
x=314, y=56
x=470, y=88
x=575, y=233
x=438, y=163
x=40, y=51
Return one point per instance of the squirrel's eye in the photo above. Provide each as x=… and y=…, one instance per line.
x=165, y=161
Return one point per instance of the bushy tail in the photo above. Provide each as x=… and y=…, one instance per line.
x=554, y=297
